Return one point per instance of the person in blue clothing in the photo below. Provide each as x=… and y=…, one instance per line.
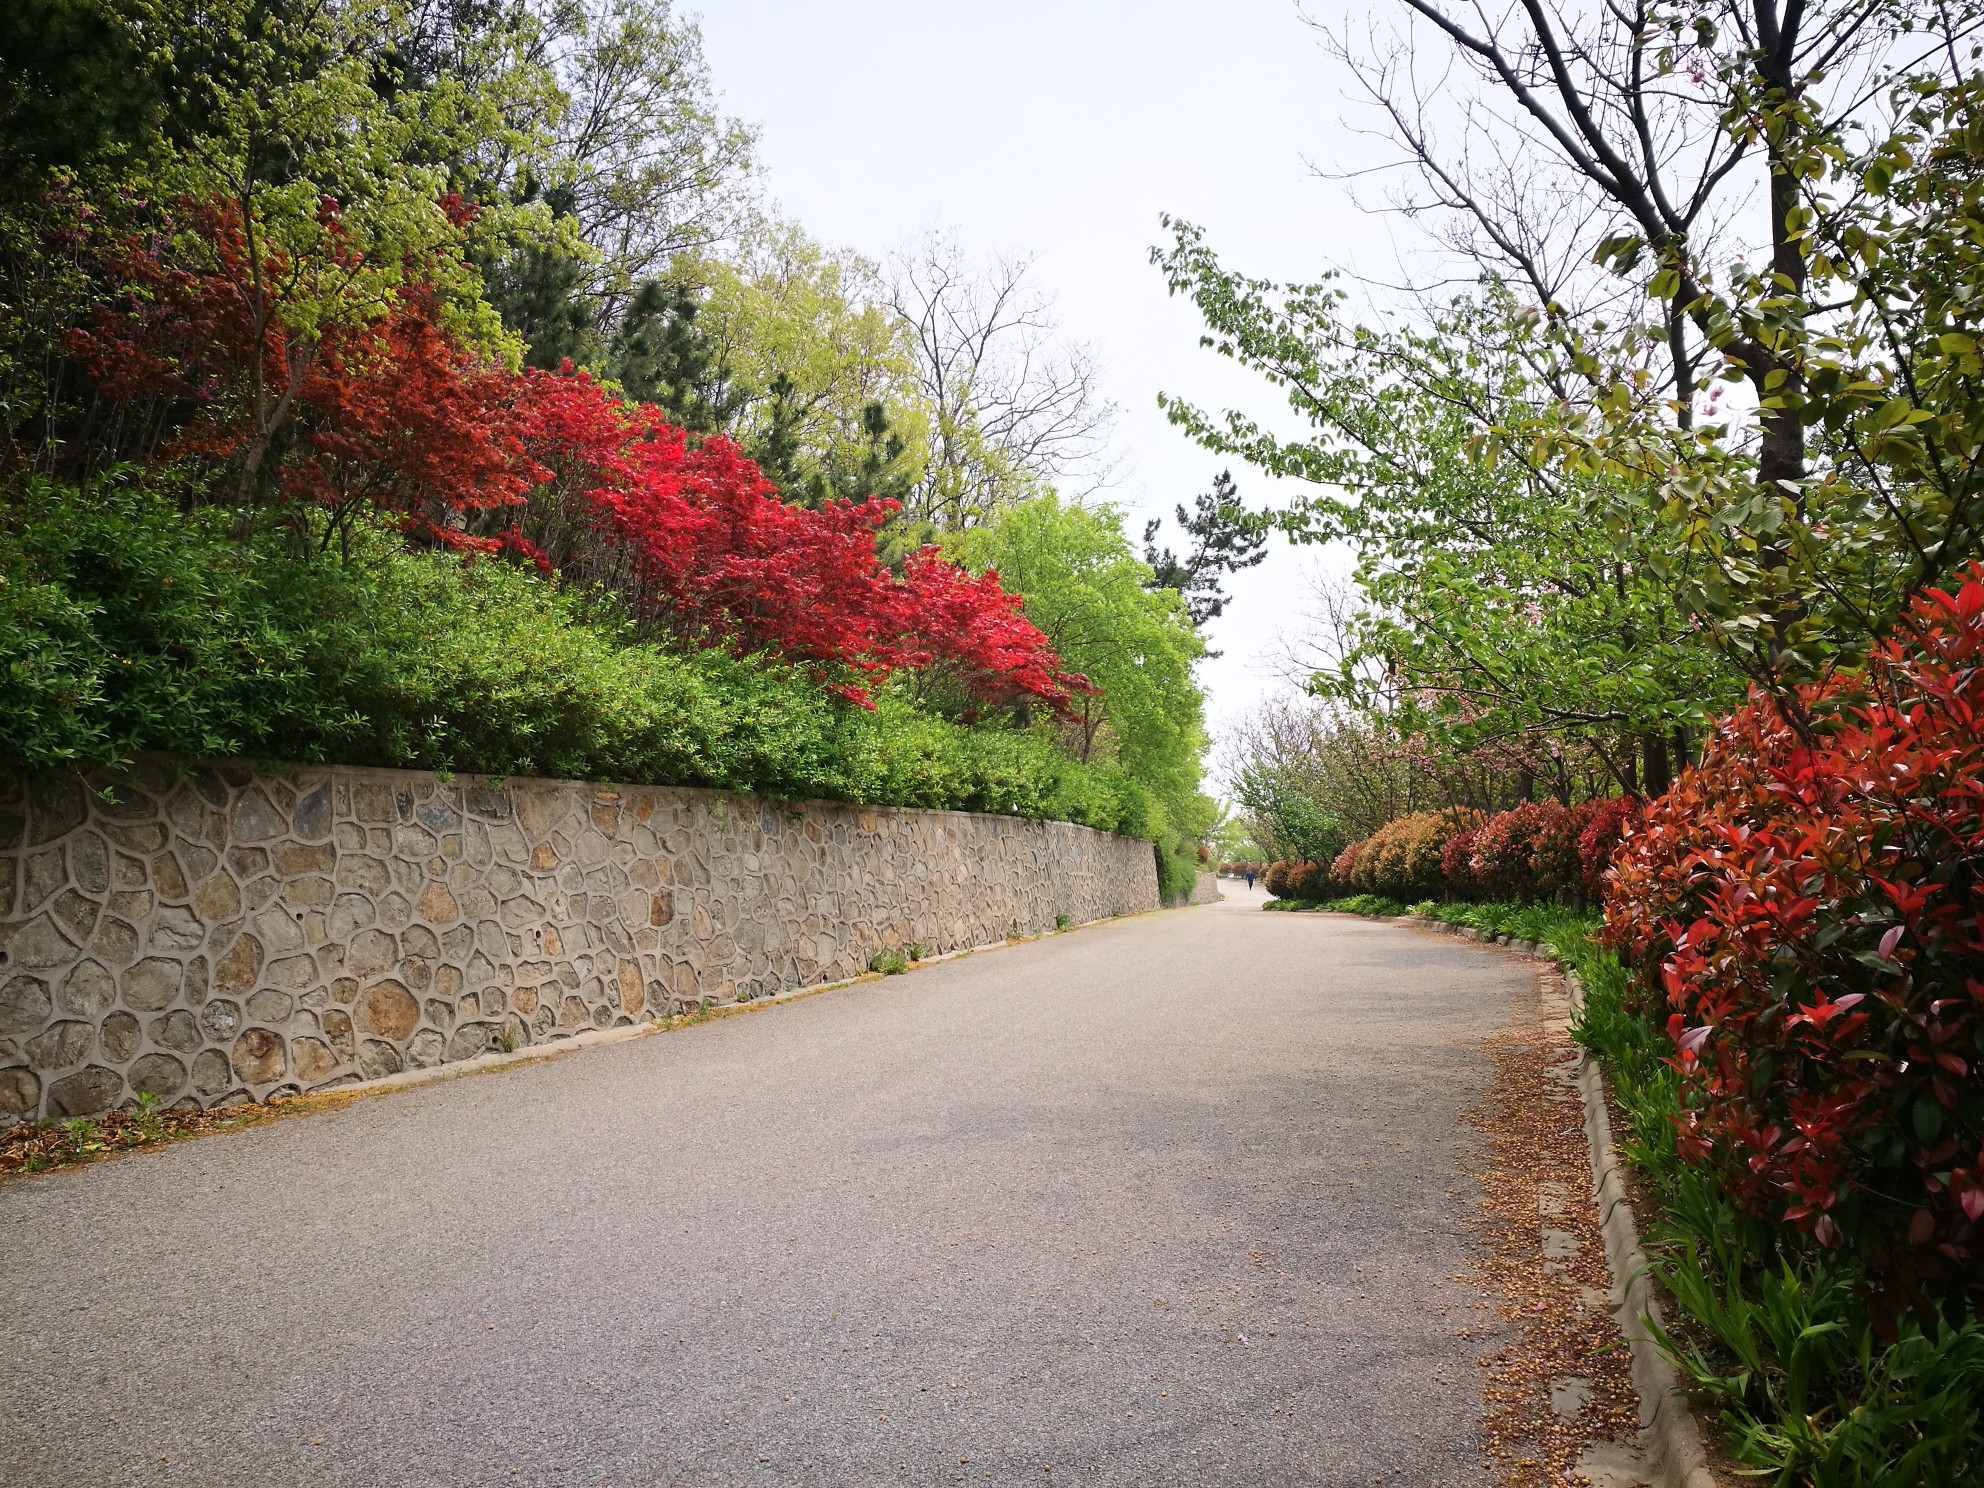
x=1250, y=880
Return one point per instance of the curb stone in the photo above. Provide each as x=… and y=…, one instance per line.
x=1669, y=1432
x=1665, y=1417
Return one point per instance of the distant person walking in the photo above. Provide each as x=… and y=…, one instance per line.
x=1250, y=880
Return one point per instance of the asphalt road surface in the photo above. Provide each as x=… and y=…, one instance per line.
x=1172, y=1200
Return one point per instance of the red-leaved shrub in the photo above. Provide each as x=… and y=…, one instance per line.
x=1554, y=867
x=1457, y=863
x=1806, y=908
x=1275, y=880
x=273, y=369
x=1504, y=863
x=1308, y=880
x=1598, y=842
x=1343, y=870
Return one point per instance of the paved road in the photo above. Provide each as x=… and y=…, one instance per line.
x=1163, y=1201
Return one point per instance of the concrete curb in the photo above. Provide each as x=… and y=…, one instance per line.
x=1669, y=1431
x=1666, y=1419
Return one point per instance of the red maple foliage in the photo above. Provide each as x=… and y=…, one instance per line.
x=1807, y=907
x=383, y=409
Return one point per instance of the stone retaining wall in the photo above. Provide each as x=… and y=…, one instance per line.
x=218, y=933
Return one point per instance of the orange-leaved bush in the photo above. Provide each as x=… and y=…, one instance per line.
x=1805, y=909
x=1402, y=859
x=1343, y=868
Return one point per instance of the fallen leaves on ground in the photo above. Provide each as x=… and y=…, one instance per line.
x=1557, y=1324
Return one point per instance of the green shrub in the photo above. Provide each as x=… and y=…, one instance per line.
x=1374, y=905
x=129, y=626
x=1177, y=873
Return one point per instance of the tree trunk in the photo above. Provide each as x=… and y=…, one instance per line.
x=1658, y=774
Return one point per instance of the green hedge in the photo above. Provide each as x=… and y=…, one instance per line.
x=129, y=626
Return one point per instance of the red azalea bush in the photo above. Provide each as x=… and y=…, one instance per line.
x=1275, y=880
x=1605, y=826
x=1806, y=908
x=377, y=405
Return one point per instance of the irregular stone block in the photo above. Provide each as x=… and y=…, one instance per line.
x=350, y=913
x=241, y=967
x=43, y=876
x=158, y=1074
x=278, y=932
x=219, y=898
x=371, y=952
x=61, y=1045
x=312, y=816
x=176, y=929
x=153, y=984
x=146, y=839
x=86, y=992
x=119, y=1037
x=336, y=1024
x=211, y=1075
x=20, y=1090
x=488, y=804
x=313, y=1059
x=170, y=879
x=260, y=1057
x=388, y=1010
x=376, y=1060
x=271, y=1007
x=75, y=914
x=632, y=994
x=88, y=1092
x=116, y=941
x=24, y=1002
x=176, y=1030
x=437, y=906
x=134, y=905
x=472, y=1039
x=57, y=806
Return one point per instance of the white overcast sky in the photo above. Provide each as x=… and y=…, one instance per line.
x=1064, y=128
